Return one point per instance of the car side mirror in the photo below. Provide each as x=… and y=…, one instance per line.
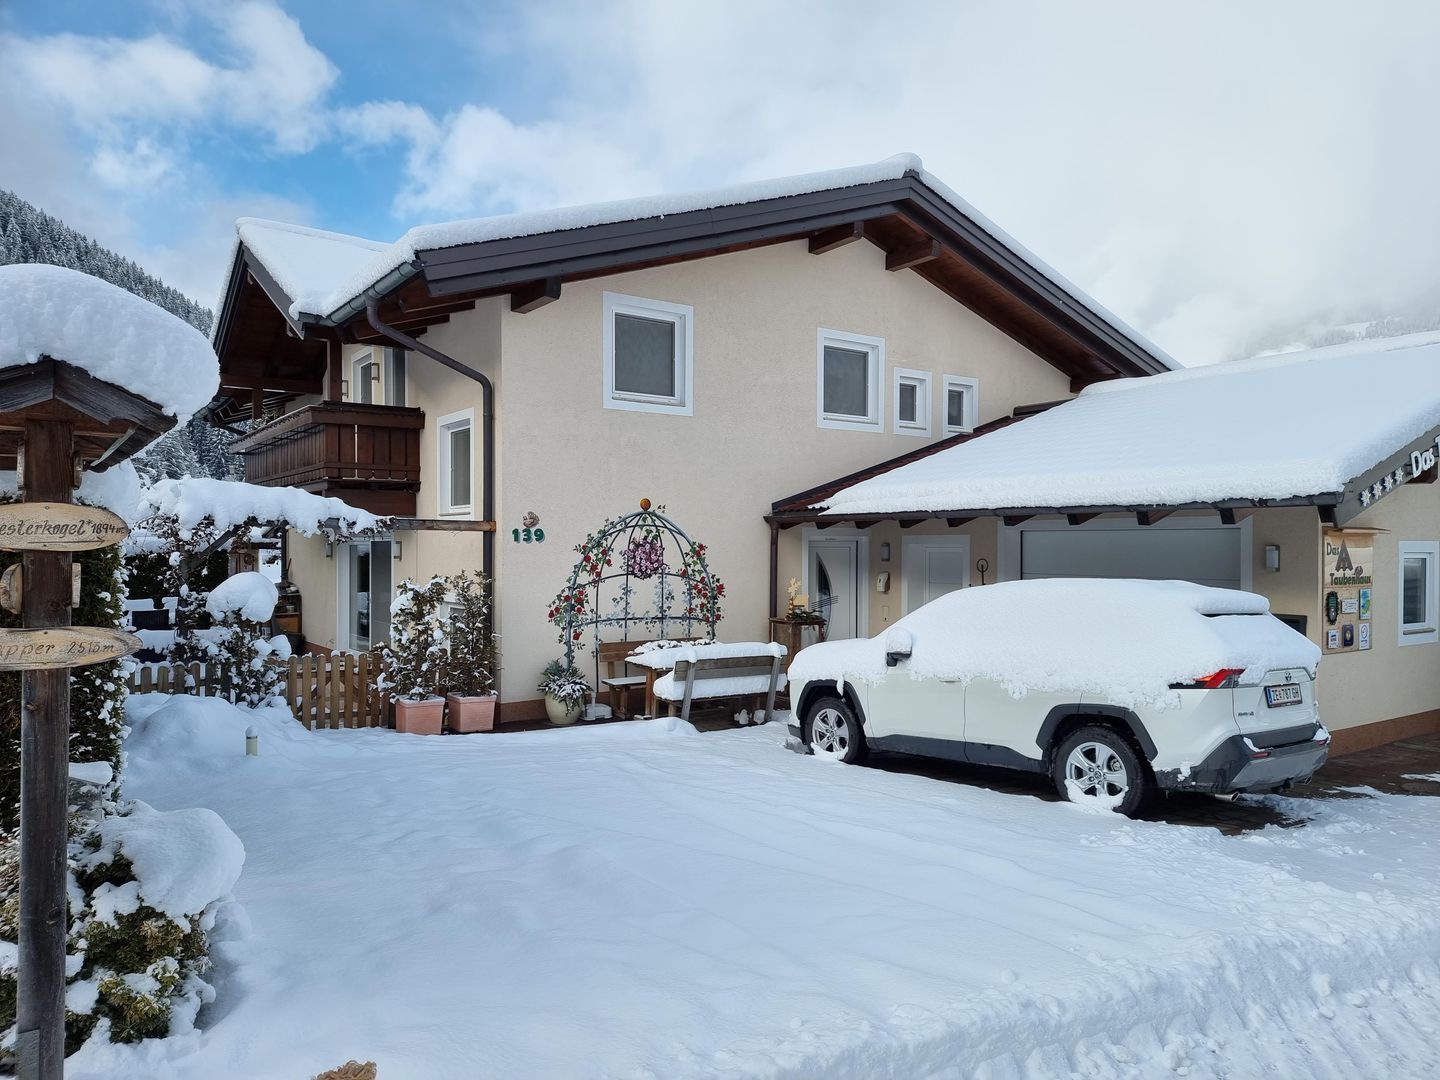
x=898, y=646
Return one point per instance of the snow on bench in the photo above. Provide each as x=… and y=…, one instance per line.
x=717, y=670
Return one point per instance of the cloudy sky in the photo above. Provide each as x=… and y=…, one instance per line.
x=1218, y=174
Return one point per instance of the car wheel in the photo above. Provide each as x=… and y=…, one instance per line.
x=831, y=731
x=1097, y=767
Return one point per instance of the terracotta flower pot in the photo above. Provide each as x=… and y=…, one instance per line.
x=469, y=714
x=423, y=717
x=562, y=714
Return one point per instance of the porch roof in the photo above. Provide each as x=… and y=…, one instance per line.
x=1334, y=428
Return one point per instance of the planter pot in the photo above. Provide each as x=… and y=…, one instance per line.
x=469, y=714
x=423, y=717
x=562, y=714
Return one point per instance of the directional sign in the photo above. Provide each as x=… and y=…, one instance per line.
x=62, y=647
x=41, y=526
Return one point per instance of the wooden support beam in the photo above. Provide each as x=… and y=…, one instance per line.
x=910, y=523
x=333, y=363
x=1079, y=519
x=903, y=258
x=257, y=404
x=535, y=294
x=826, y=523
x=837, y=237
x=1233, y=515
x=956, y=522
x=1016, y=519
x=44, y=774
x=1150, y=517
x=1327, y=514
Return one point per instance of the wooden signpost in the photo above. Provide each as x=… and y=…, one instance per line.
x=55, y=421
x=55, y=526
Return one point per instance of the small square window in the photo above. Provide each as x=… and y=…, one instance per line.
x=848, y=371
x=912, y=402
x=648, y=364
x=962, y=405
x=1419, y=592
x=456, y=487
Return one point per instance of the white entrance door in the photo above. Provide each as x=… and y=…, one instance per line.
x=932, y=566
x=832, y=580
x=365, y=594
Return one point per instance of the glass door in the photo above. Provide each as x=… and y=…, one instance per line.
x=368, y=593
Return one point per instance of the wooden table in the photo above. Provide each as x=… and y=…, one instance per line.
x=790, y=633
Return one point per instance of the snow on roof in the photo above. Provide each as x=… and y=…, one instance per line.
x=231, y=502
x=1124, y=642
x=322, y=271
x=307, y=263
x=1276, y=427
x=113, y=334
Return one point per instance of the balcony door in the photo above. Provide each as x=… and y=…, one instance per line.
x=366, y=575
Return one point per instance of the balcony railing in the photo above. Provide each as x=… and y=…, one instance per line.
x=368, y=455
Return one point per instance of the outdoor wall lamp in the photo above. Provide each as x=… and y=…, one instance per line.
x=329, y=549
x=395, y=549
x=885, y=551
x=1272, y=557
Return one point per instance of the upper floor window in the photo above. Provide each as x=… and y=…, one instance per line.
x=1419, y=592
x=912, y=402
x=649, y=358
x=962, y=405
x=394, y=376
x=848, y=371
x=456, y=488
x=366, y=387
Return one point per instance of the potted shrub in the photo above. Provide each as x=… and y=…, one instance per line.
x=470, y=669
x=564, y=689
x=414, y=657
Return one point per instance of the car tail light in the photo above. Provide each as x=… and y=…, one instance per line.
x=1222, y=679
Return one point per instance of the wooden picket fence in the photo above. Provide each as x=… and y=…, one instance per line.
x=322, y=691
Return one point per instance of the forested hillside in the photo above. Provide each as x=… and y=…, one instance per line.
x=29, y=235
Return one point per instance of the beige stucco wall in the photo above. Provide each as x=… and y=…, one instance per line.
x=753, y=437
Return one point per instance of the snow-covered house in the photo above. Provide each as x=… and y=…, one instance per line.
x=1307, y=477
x=710, y=352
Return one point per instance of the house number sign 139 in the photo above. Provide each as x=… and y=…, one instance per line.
x=528, y=535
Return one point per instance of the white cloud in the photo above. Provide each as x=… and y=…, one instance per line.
x=1217, y=179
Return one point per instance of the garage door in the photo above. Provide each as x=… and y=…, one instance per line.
x=1205, y=556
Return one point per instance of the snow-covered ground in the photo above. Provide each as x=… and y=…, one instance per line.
x=639, y=900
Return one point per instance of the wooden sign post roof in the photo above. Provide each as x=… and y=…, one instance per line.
x=55, y=421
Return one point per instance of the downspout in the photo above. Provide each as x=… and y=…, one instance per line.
x=487, y=431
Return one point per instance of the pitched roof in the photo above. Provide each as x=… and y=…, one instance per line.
x=319, y=282
x=1321, y=425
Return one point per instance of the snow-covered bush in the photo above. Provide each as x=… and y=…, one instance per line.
x=470, y=663
x=144, y=889
x=241, y=607
x=414, y=657
x=563, y=682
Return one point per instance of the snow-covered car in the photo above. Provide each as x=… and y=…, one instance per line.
x=1113, y=688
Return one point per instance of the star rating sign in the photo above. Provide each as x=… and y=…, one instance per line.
x=1365, y=498
x=1389, y=483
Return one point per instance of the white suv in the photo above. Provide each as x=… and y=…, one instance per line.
x=1114, y=688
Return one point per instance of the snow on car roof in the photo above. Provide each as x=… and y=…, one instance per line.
x=322, y=271
x=1122, y=642
x=109, y=332
x=1238, y=430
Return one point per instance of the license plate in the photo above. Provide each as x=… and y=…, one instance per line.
x=1289, y=694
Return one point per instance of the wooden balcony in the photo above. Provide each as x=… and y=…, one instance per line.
x=367, y=455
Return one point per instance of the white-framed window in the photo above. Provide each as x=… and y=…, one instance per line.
x=961, y=404
x=395, y=377
x=649, y=355
x=911, y=391
x=1419, y=592
x=848, y=370
x=365, y=380
x=455, y=436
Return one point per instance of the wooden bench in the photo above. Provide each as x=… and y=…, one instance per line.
x=617, y=678
x=710, y=678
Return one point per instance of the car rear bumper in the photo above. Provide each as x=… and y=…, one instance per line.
x=1239, y=765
